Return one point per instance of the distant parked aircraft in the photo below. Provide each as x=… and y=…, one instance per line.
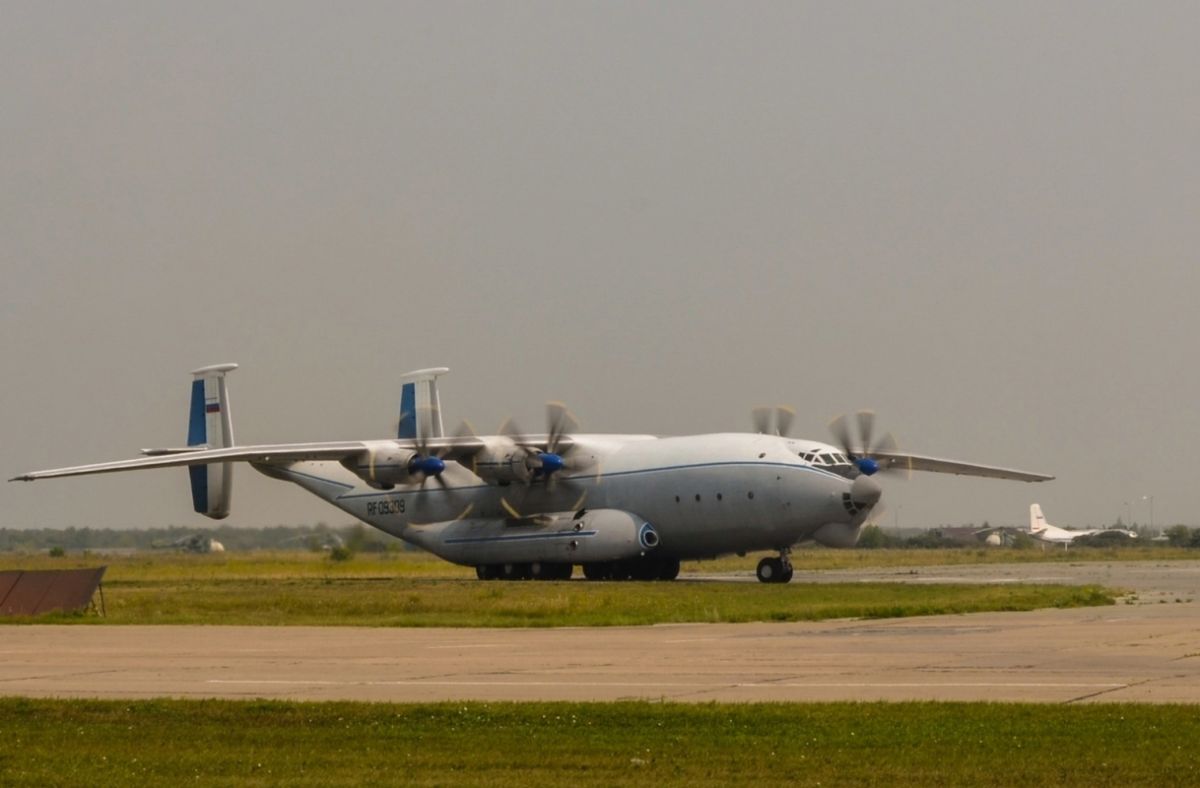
x=1043, y=531
x=196, y=543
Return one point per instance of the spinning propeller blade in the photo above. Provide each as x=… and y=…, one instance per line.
x=546, y=463
x=783, y=417
x=863, y=451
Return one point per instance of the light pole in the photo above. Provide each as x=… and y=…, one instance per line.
x=1150, y=498
x=1129, y=511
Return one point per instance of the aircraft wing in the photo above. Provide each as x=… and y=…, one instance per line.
x=263, y=453
x=451, y=448
x=917, y=462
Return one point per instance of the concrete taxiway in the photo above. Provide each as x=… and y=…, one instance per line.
x=1145, y=649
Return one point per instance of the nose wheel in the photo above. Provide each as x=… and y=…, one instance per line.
x=775, y=570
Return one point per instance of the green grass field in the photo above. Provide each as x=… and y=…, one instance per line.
x=48, y=742
x=419, y=590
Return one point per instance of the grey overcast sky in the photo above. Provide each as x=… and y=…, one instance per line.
x=979, y=219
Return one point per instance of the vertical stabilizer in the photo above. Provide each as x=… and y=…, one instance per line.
x=1037, y=520
x=211, y=426
x=420, y=407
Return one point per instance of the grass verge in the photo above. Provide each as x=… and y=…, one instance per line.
x=50, y=742
x=419, y=590
x=404, y=602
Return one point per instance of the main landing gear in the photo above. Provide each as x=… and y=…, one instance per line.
x=637, y=569
x=775, y=570
x=534, y=571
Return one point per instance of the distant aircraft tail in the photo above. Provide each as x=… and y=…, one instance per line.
x=1037, y=520
x=211, y=426
x=420, y=408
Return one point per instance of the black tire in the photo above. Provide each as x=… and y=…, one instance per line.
x=770, y=570
x=786, y=577
x=596, y=571
x=646, y=569
x=555, y=571
x=668, y=569
x=514, y=571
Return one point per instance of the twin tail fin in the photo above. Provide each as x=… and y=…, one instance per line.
x=211, y=427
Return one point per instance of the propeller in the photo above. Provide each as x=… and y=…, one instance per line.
x=547, y=463
x=864, y=450
x=430, y=464
x=784, y=416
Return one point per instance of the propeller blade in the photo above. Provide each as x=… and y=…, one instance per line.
x=784, y=416
x=559, y=422
x=864, y=453
x=841, y=433
x=761, y=417
x=509, y=429
x=508, y=507
x=866, y=425
x=886, y=444
x=464, y=430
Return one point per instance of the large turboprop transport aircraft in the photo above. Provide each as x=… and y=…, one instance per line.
x=517, y=505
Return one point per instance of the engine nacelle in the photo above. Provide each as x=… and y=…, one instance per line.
x=595, y=535
x=502, y=461
x=383, y=467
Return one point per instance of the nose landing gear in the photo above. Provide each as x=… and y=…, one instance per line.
x=775, y=570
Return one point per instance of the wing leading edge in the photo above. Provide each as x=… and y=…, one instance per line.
x=264, y=453
x=917, y=462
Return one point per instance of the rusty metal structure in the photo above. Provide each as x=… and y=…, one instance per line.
x=37, y=591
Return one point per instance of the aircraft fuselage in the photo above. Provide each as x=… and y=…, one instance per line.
x=704, y=495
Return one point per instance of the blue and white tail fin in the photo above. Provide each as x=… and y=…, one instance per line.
x=420, y=408
x=210, y=426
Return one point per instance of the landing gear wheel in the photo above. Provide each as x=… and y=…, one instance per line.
x=786, y=577
x=487, y=572
x=668, y=569
x=770, y=570
x=620, y=570
x=550, y=571
x=596, y=571
x=514, y=571
x=646, y=569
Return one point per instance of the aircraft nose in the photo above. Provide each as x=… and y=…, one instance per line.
x=865, y=491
